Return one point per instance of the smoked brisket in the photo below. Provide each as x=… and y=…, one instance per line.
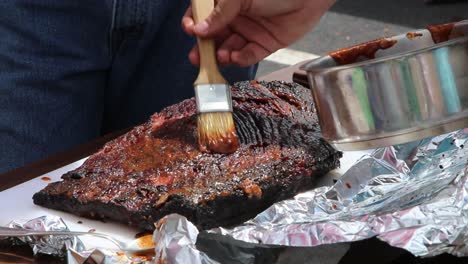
x=156, y=169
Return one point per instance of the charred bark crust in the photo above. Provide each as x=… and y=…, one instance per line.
x=156, y=169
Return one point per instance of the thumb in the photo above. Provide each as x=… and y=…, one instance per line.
x=224, y=13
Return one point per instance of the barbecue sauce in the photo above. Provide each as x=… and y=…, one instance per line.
x=368, y=50
x=412, y=35
x=441, y=33
x=146, y=241
x=46, y=179
x=225, y=145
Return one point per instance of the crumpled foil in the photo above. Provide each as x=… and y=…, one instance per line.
x=69, y=247
x=48, y=245
x=175, y=241
x=412, y=196
x=100, y=256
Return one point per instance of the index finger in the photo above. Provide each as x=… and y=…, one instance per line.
x=187, y=21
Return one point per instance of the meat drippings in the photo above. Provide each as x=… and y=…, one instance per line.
x=413, y=35
x=367, y=50
x=441, y=33
x=146, y=241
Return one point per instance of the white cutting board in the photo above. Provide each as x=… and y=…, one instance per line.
x=16, y=204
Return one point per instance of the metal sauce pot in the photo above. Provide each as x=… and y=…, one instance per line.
x=393, y=90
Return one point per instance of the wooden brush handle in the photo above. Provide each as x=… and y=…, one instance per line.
x=209, y=72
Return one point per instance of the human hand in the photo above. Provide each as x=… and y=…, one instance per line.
x=247, y=31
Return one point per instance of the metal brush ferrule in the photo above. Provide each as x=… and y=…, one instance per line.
x=213, y=98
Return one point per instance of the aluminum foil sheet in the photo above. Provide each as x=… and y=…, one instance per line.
x=175, y=242
x=48, y=245
x=70, y=248
x=413, y=196
x=101, y=256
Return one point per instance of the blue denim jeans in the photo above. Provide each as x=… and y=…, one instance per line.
x=73, y=70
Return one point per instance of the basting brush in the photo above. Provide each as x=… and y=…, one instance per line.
x=216, y=129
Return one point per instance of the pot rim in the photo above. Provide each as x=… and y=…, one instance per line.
x=313, y=66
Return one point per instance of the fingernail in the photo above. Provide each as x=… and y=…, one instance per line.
x=201, y=27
